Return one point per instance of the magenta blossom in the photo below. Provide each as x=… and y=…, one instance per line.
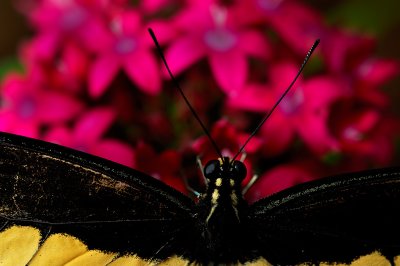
x=304, y=111
x=209, y=31
x=58, y=21
x=87, y=135
x=68, y=72
x=26, y=106
x=343, y=51
x=277, y=179
x=126, y=46
x=165, y=166
x=363, y=132
x=374, y=72
x=350, y=58
x=155, y=6
x=369, y=75
x=293, y=21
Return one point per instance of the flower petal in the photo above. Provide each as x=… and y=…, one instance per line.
x=114, y=150
x=57, y=107
x=143, y=69
x=93, y=124
x=313, y=129
x=9, y=122
x=163, y=30
x=183, y=53
x=130, y=21
x=253, y=97
x=254, y=44
x=278, y=133
x=59, y=135
x=377, y=72
x=102, y=72
x=277, y=179
x=43, y=47
x=229, y=69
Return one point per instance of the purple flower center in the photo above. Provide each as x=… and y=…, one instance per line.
x=73, y=18
x=125, y=45
x=268, y=5
x=220, y=40
x=351, y=133
x=291, y=104
x=365, y=68
x=27, y=107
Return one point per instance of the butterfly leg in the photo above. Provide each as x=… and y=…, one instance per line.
x=243, y=156
x=201, y=167
x=188, y=187
x=253, y=179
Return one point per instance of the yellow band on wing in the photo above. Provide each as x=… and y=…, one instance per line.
x=19, y=246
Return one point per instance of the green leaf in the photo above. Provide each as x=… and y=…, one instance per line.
x=376, y=17
x=8, y=65
x=332, y=158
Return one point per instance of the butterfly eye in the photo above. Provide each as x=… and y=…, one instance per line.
x=212, y=169
x=239, y=170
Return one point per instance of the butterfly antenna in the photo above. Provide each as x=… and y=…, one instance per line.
x=153, y=36
x=310, y=52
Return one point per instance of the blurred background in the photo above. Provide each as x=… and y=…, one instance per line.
x=379, y=18
x=71, y=88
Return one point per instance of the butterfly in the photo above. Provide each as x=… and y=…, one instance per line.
x=116, y=209
x=58, y=205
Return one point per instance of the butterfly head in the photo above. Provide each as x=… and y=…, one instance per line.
x=223, y=195
x=225, y=170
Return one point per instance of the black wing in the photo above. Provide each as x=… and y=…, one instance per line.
x=108, y=206
x=334, y=219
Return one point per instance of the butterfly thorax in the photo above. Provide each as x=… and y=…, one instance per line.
x=222, y=211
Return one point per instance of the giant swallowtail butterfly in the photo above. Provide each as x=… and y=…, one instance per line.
x=59, y=206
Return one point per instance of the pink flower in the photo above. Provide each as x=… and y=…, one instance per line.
x=27, y=106
x=165, y=166
x=297, y=24
x=57, y=21
x=277, y=179
x=343, y=51
x=157, y=6
x=349, y=56
x=88, y=136
x=374, y=72
x=210, y=32
x=365, y=135
x=304, y=111
x=229, y=140
x=127, y=47
x=68, y=71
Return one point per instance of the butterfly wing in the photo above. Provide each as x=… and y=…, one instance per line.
x=333, y=219
x=107, y=206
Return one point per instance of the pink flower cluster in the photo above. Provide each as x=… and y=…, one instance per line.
x=94, y=82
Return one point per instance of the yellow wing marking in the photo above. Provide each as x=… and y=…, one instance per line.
x=373, y=259
x=20, y=246
x=92, y=257
x=58, y=249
